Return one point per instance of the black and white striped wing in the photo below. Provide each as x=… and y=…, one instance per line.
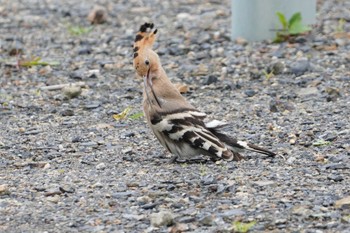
x=184, y=133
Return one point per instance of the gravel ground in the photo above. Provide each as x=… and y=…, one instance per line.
x=66, y=165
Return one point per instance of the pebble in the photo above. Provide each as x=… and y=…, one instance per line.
x=264, y=183
x=162, y=218
x=232, y=213
x=343, y=203
x=307, y=91
x=208, y=179
x=66, y=189
x=97, y=15
x=210, y=80
x=249, y=93
x=149, y=206
x=101, y=166
x=67, y=112
x=71, y=91
x=206, y=220
x=4, y=190
x=300, y=67
x=92, y=105
x=335, y=177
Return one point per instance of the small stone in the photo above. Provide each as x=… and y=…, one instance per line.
x=264, y=183
x=53, y=191
x=182, y=88
x=77, y=75
x=54, y=199
x=143, y=200
x=67, y=112
x=291, y=160
x=307, y=91
x=210, y=80
x=335, y=177
x=163, y=218
x=134, y=217
x=301, y=210
x=232, y=213
x=332, y=94
x=300, y=67
x=280, y=221
x=276, y=68
x=4, y=190
x=101, y=166
x=127, y=151
x=209, y=179
x=66, y=189
x=92, y=105
x=72, y=91
x=186, y=219
x=179, y=227
x=84, y=51
x=97, y=185
x=97, y=15
x=241, y=41
x=149, y=206
x=206, y=220
x=249, y=93
x=343, y=203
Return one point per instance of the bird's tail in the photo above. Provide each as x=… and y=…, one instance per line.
x=234, y=144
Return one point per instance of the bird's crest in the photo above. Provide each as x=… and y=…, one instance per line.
x=145, y=38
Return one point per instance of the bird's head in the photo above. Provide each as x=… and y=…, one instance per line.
x=145, y=59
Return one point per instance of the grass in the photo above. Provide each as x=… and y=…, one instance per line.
x=341, y=25
x=268, y=75
x=77, y=30
x=36, y=61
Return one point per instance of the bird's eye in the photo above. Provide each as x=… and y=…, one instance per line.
x=147, y=62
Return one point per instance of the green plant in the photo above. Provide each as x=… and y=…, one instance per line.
x=294, y=26
x=268, y=75
x=125, y=115
x=79, y=30
x=242, y=227
x=321, y=142
x=136, y=116
x=341, y=24
x=35, y=61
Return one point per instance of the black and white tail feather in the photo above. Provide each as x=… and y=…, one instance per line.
x=184, y=133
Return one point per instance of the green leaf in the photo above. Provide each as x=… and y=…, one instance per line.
x=36, y=61
x=296, y=18
x=79, y=30
x=242, y=227
x=136, y=116
x=282, y=20
x=122, y=115
x=321, y=142
x=298, y=28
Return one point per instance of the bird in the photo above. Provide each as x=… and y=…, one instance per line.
x=179, y=126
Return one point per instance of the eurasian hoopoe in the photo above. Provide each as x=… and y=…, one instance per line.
x=179, y=126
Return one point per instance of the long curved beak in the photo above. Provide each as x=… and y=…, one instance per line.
x=147, y=82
